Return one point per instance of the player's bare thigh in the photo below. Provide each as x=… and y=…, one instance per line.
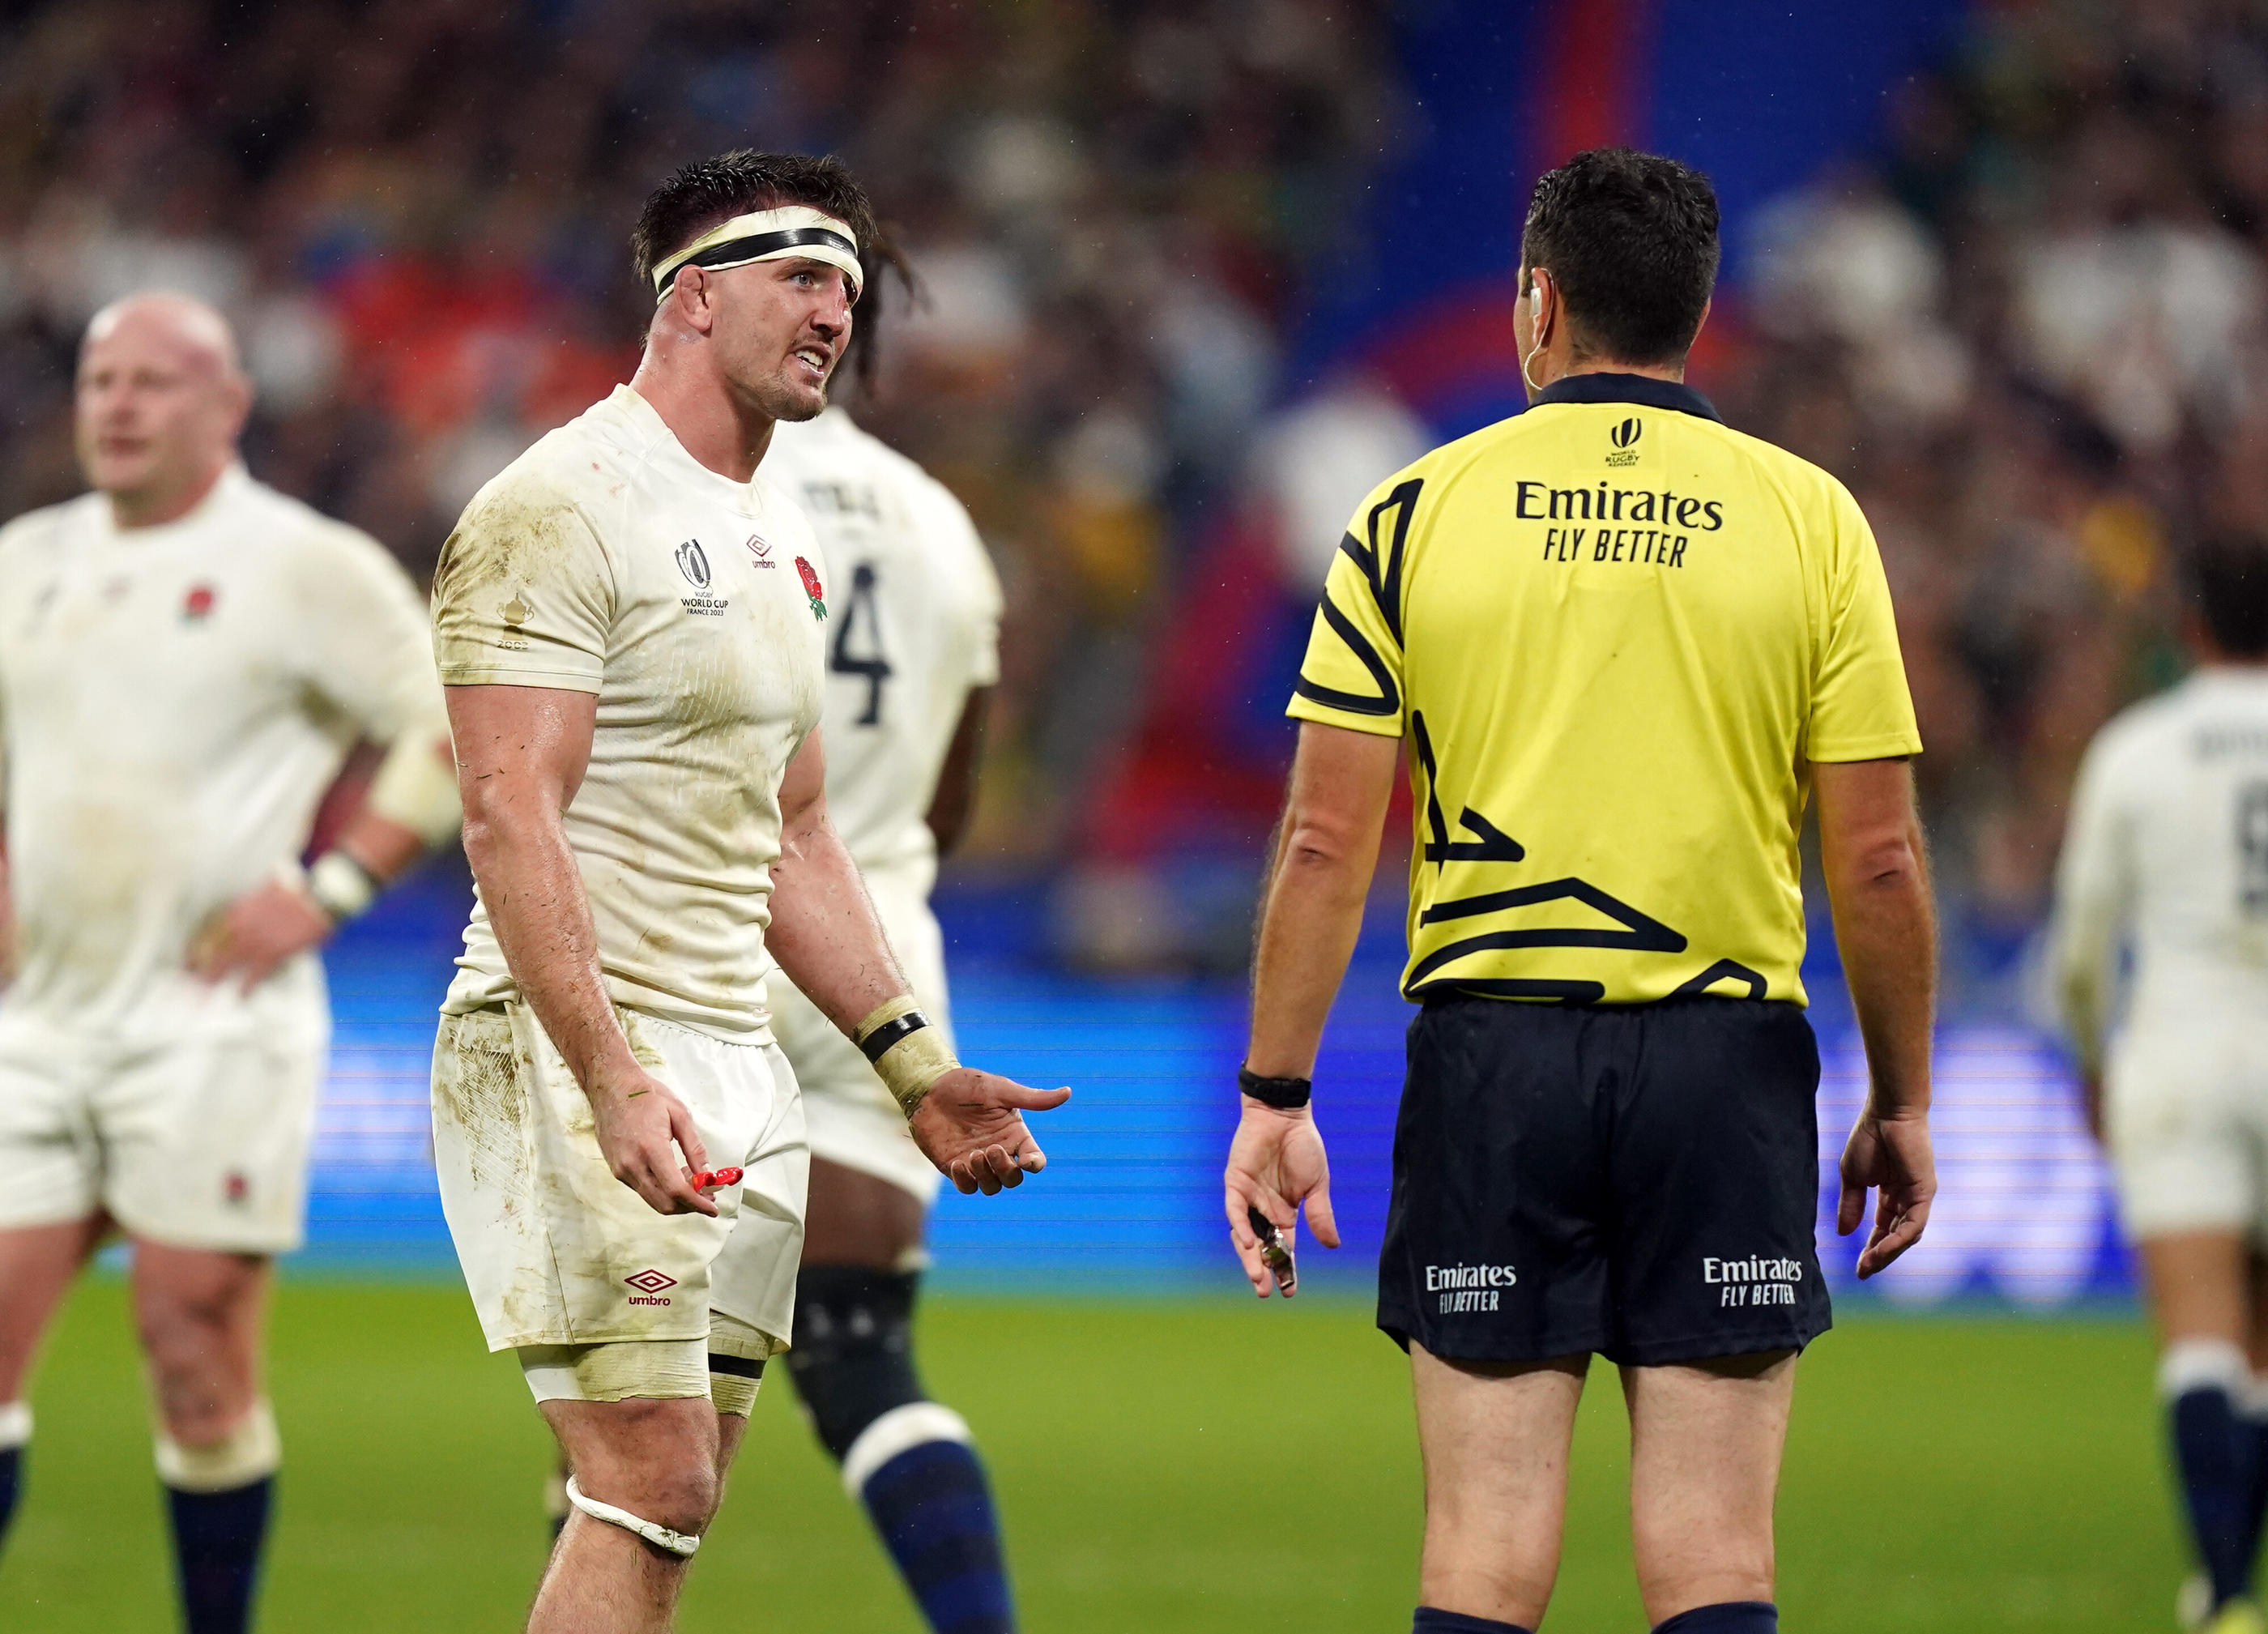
x=37, y=1266
x=1705, y=1445
x=851, y=1218
x=1494, y=1437
x=201, y=1313
x=2198, y=1283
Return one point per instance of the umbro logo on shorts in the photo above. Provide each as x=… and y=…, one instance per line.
x=1741, y=1283
x=650, y=1283
x=1468, y=1287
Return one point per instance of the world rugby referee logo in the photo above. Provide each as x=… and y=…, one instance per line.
x=1624, y=438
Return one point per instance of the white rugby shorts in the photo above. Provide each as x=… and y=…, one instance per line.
x=2186, y=1115
x=851, y=1118
x=197, y=1140
x=556, y=1250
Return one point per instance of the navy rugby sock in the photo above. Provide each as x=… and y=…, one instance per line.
x=217, y=1543
x=2252, y=1428
x=1731, y=1617
x=2214, y=1453
x=12, y=1480
x=1433, y=1620
x=934, y=1508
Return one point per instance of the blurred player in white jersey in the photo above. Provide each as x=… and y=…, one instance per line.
x=912, y=656
x=2167, y=856
x=632, y=624
x=186, y=658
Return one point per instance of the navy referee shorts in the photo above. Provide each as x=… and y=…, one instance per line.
x=1637, y=1180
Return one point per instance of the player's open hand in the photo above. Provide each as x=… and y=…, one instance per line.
x=971, y=1125
x=1276, y=1163
x=643, y=1128
x=255, y=934
x=1892, y=1155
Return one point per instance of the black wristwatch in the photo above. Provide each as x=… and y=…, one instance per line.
x=1285, y=1094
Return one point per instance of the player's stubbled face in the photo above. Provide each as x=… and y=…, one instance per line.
x=151, y=411
x=781, y=330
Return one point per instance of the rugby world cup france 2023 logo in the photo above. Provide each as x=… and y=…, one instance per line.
x=1624, y=438
x=693, y=561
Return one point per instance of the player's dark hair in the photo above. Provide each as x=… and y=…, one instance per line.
x=2227, y=580
x=1630, y=239
x=878, y=254
x=711, y=191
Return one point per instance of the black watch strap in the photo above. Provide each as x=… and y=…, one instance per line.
x=1285, y=1094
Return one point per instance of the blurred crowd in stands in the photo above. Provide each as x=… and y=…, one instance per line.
x=417, y=214
x=2029, y=336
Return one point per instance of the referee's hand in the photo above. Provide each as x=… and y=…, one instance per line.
x=1892, y=1155
x=1276, y=1163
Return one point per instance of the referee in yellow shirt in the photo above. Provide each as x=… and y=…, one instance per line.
x=1622, y=646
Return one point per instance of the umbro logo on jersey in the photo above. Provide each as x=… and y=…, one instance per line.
x=693, y=561
x=760, y=548
x=1624, y=438
x=650, y=1283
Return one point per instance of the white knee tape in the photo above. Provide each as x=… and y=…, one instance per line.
x=2204, y=1364
x=660, y=1536
x=246, y=1454
x=616, y=1369
x=15, y=1425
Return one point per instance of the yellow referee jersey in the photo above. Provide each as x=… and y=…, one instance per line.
x=1615, y=634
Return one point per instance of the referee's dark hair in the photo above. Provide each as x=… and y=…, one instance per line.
x=1630, y=239
x=712, y=191
x=2228, y=581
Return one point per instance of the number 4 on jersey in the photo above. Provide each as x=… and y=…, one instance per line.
x=860, y=616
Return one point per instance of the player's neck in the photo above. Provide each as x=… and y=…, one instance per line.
x=155, y=507
x=708, y=420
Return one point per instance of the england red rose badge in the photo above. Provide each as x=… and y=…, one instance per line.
x=813, y=588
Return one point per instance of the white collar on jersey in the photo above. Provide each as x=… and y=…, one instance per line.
x=767, y=235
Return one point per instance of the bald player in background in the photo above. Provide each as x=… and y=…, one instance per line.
x=187, y=658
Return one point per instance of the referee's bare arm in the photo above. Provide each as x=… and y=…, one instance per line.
x=1326, y=851
x=1877, y=870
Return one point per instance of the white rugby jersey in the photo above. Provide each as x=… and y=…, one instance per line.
x=916, y=625
x=607, y=559
x=174, y=701
x=2167, y=843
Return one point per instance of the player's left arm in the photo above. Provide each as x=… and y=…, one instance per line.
x=829, y=941
x=1318, y=879
x=954, y=802
x=369, y=655
x=2092, y=891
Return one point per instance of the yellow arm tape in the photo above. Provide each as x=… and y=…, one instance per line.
x=909, y=1068
x=417, y=787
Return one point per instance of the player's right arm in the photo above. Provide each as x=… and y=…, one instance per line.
x=521, y=753
x=523, y=601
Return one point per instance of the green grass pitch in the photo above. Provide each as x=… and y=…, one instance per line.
x=1189, y=1467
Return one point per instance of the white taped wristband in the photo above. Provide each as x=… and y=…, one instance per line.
x=15, y=1425
x=342, y=887
x=907, y=1052
x=660, y=1536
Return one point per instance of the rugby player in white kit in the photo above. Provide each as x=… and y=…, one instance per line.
x=912, y=657
x=2167, y=855
x=186, y=658
x=631, y=625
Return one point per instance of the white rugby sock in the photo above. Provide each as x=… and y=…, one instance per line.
x=2204, y=1364
x=250, y=1451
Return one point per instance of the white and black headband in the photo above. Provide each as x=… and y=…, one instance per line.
x=794, y=230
